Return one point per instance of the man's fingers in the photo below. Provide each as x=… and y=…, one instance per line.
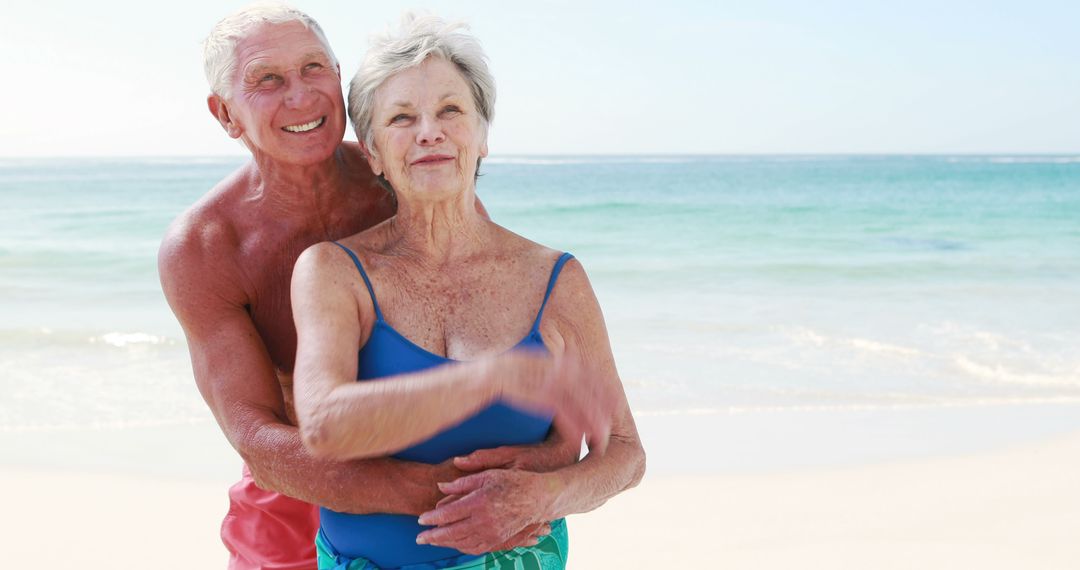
x=485, y=459
x=597, y=439
x=567, y=428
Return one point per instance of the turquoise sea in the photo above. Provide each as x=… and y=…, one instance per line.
x=730, y=284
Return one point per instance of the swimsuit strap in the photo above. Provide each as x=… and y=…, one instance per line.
x=551, y=285
x=360, y=268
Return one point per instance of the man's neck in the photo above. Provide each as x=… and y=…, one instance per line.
x=299, y=192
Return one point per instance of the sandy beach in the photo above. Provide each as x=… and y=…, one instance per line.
x=1016, y=507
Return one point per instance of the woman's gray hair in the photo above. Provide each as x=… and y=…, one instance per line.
x=417, y=38
x=219, y=48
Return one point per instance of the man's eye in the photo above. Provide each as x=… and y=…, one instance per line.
x=269, y=77
x=313, y=66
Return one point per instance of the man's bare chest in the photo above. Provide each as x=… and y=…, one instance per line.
x=268, y=275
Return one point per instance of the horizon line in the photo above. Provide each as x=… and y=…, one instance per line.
x=589, y=154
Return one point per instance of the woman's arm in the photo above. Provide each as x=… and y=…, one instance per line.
x=577, y=331
x=344, y=419
x=582, y=487
x=510, y=498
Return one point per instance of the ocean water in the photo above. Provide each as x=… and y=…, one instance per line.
x=729, y=284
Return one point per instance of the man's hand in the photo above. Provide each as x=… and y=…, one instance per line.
x=492, y=510
x=550, y=455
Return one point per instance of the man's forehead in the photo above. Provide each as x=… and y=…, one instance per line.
x=279, y=44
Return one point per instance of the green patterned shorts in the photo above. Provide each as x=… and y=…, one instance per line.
x=548, y=554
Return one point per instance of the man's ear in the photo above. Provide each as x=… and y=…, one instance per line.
x=220, y=110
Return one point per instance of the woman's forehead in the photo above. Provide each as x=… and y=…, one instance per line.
x=435, y=79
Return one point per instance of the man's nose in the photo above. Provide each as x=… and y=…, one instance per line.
x=429, y=132
x=299, y=94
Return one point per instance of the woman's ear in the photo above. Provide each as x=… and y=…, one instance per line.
x=372, y=160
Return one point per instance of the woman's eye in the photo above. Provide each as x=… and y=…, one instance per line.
x=269, y=77
x=400, y=119
x=451, y=110
x=313, y=66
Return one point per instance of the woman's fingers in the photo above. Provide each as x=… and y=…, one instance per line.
x=447, y=500
x=464, y=485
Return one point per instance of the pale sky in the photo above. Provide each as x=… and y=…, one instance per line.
x=120, y=77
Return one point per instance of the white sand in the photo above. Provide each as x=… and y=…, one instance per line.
x=1016, y=508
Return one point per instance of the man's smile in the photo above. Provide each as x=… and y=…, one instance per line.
x=306, y=126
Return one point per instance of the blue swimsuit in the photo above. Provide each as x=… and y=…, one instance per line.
x=389, y=540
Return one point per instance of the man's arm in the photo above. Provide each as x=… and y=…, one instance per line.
x=236, y=377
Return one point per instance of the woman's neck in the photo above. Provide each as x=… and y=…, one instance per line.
x=439, y=231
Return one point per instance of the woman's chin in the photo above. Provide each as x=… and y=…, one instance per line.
x=438, y=189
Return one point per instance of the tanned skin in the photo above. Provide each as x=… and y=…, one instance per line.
x=226, y=265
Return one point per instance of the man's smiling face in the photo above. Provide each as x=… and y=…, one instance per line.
x=286, y=103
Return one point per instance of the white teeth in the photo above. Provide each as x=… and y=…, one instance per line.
x=304, y=127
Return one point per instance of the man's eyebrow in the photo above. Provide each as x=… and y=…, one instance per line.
x=258, y=69
x=316, y=55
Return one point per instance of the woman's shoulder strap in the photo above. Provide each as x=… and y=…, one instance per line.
x=551, y=285
x=360, y=268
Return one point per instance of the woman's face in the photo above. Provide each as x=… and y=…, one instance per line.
x=427, y=131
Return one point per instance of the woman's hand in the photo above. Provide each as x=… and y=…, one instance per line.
x=492, y=510
x=560, y=386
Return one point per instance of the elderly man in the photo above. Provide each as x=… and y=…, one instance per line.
x=225, y=266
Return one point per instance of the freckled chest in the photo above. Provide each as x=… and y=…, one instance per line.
x=464, y=314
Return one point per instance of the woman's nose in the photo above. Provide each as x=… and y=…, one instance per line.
x=430, y=132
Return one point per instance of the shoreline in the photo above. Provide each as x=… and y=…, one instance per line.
x=755, y=442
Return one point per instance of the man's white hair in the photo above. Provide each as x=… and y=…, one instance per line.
x=219, y=48
x=417, y=38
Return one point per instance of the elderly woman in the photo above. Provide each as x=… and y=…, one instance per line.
x=469, y=335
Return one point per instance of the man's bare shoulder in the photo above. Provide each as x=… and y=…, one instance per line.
x=201, y=246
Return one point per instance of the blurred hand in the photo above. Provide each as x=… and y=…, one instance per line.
x=562, y=387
